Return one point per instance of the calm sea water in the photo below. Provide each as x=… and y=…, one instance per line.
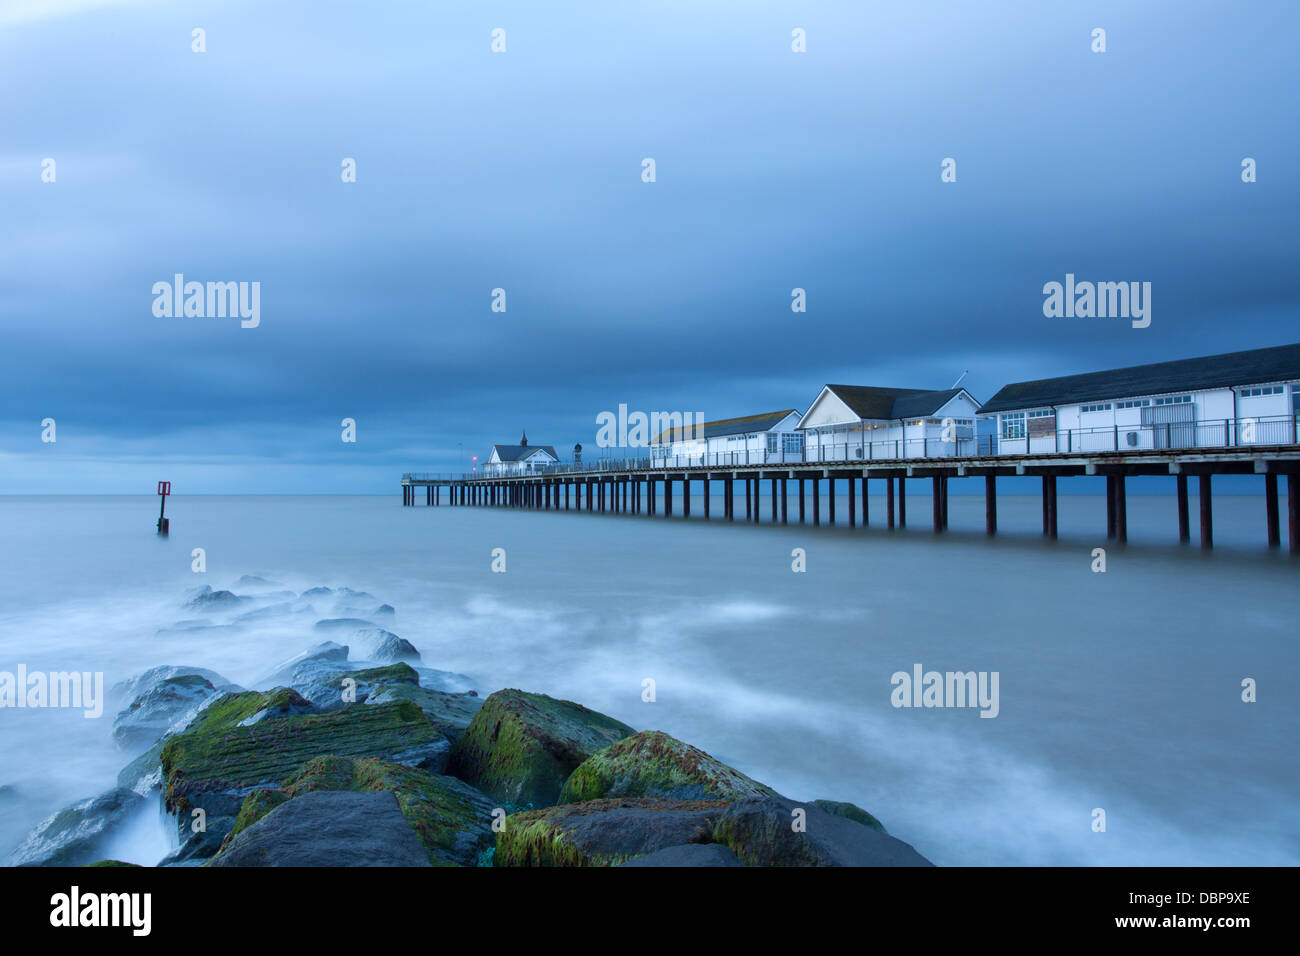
x=1119, y=691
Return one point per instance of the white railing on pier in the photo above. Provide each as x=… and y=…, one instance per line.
x=1172, y=436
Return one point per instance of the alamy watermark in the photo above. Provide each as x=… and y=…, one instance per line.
x=622, y=429
x=212, y=300
x=1101, y=300
x=947, y=689
x=37, y=689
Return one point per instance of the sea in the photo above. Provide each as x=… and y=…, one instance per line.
x=1147, y=709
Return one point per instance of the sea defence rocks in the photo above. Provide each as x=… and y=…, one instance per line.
x=753, y=831
x=76, y=834
x=520, y=748
x=603, y=832
x=653, y=764
x=850, y=811
x=329, y=828
x=760, y=831
x=690, y=854
x=450, y=819
x=160, y=698
x=206, y=599
x=223, y=755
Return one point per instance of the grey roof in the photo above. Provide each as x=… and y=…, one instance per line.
x=518, y=452
x=893, y=404
x=749, y=424
x=1231, y=369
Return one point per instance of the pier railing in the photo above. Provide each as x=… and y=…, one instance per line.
x=1211, y=434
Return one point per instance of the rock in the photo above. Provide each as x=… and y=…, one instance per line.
x=384, y=610
x=75, y=835
x=199, y=847
x=653, y=764
x=603, y=832
x=253, y=581
x=312, y=674
x=150, y=714
x=451, y=819
x=275, y=612
x=284, y=702
x=328, y=828
x=850, y=811
x=110, y=863
x=449, y=682
x=450, y=713
x=219, y=759
x=347, y=624
x=758, y=830
x=220, y=752
x=217, y=600
x=317, y=593
x=690, y=854
x=431, y=756
x=520, y=748
x=139, y=685
x=384, y=646
x=144, y=773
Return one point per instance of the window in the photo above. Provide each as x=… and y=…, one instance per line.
x=771, y=442
x=1264, y=390
x=1100, y=407
x=1174, y=400
x=1042, y=413
x=1013, y=425
x=792, y=442
x=1134, y=403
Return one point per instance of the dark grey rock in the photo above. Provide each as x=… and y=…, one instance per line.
x=328, y=828
x=197, y=848
x=759, y=830
x=217, y=600
x=431, y=756
x=76, y=834
x=689, y=854
x=152, y=713
x=347, y=624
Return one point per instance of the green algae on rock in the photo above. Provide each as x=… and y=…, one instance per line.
x=451, y=819
x=110, y=863
x=653, y=764
x=850, y=811
x=761, y=832
x=521, y=747
x=604, y=832
x=223, y=751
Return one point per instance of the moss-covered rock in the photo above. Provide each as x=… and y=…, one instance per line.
x=111, y=863
x=653, y=764
x=222, y=751
x=255, y=806
x=775, y=831
x=603, y=832
x=850, y=811
x=521, y=747
x=451, y=819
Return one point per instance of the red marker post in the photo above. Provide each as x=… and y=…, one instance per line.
x=164, y=489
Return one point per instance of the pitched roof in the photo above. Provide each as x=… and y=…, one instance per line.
x=891, y=404
x=1252, y=367
x=520, y=452
x=746, y=425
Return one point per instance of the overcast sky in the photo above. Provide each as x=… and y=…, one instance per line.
x=523, y=170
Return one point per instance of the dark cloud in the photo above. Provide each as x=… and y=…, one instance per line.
x=522, y=171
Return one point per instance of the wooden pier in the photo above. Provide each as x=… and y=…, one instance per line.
x=640, y=490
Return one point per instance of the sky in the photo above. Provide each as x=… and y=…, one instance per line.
x=522, y=170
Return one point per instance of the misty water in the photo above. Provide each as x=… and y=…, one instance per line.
x=1118, y=690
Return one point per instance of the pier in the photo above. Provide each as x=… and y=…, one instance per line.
x=636, y=487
